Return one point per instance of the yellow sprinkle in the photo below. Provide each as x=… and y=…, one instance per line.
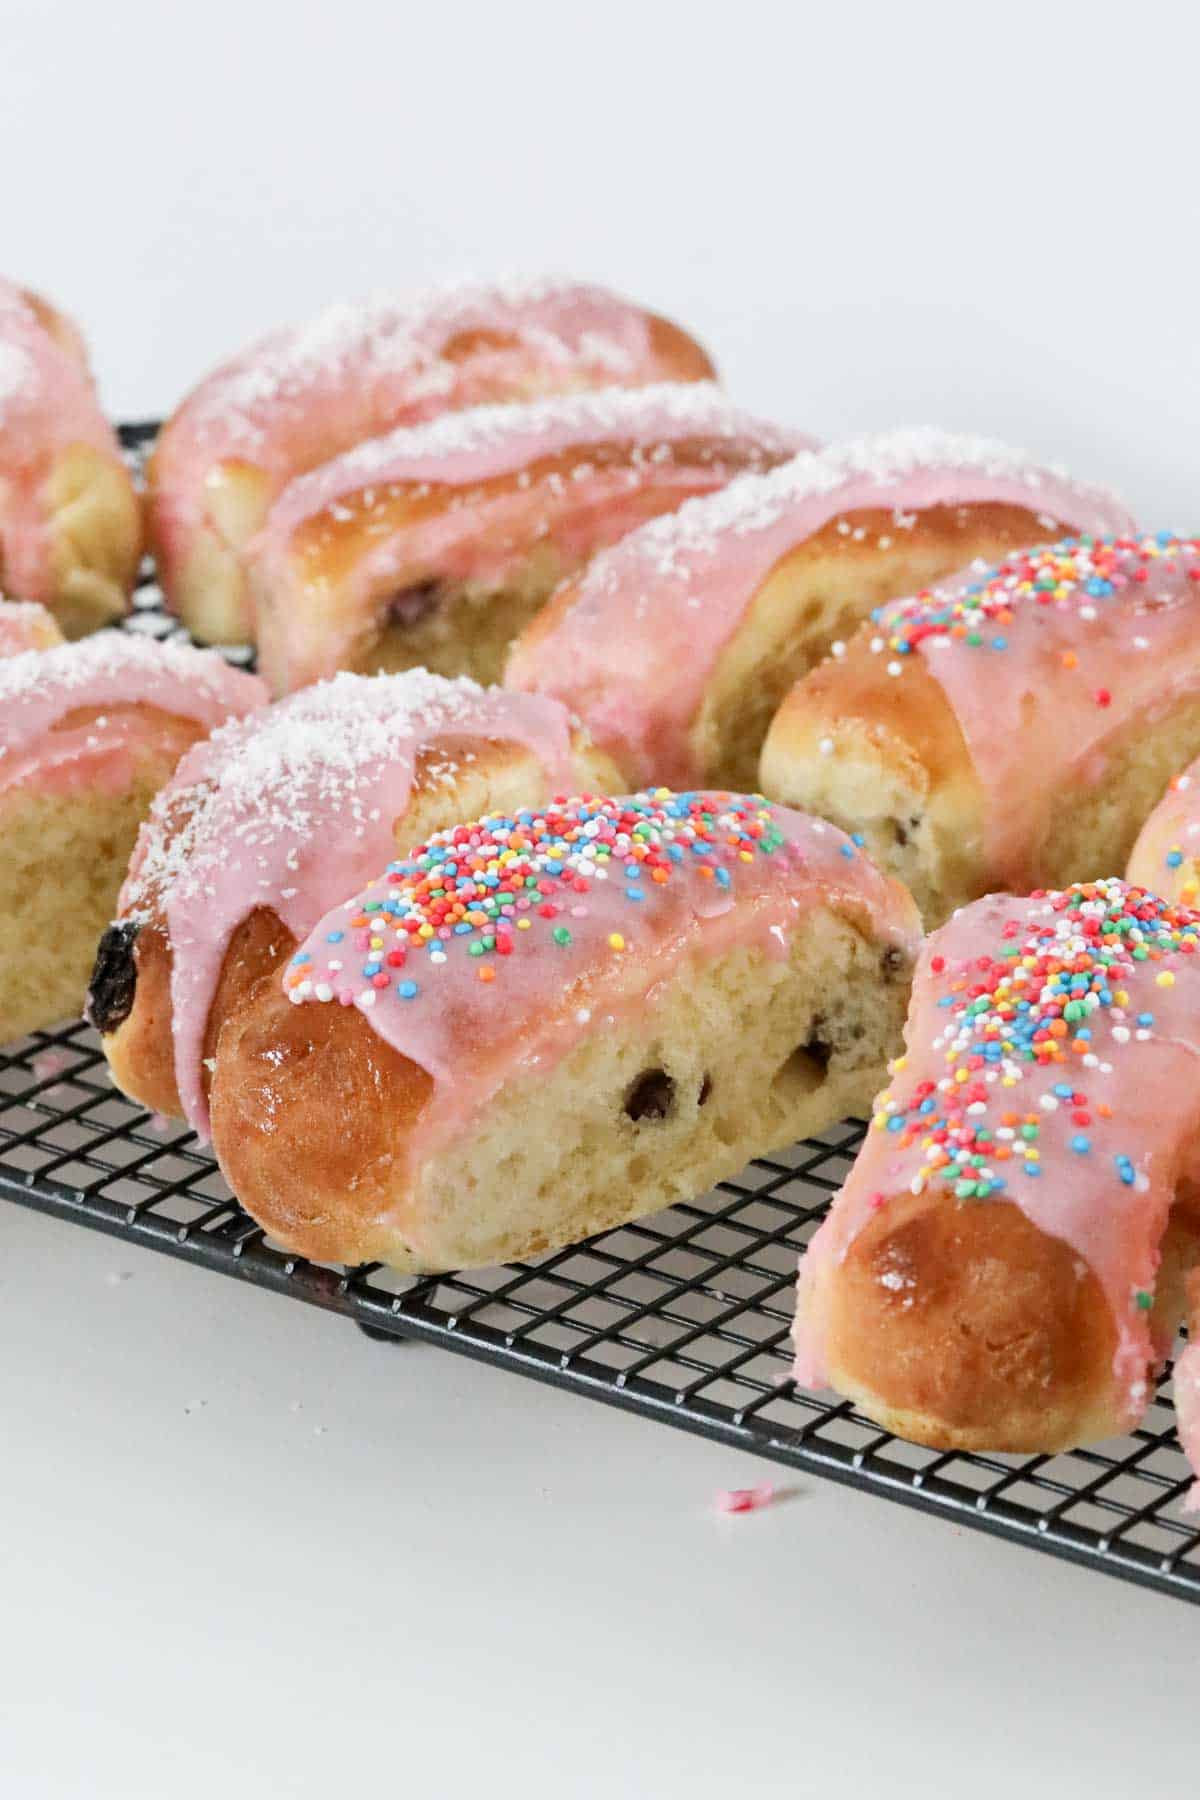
x=524, y=924
x=616, y=941
x=1165, y=979
x=962, y=1074
x=426, y=931
x=746, y=855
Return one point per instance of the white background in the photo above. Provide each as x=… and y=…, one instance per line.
x=984, y=217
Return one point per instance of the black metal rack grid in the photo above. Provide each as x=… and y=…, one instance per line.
x=683, y=1317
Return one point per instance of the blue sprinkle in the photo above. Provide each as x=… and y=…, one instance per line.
x=1174, y=858
x=1063, y=1091
x=856, y=837
x=407, y=990
x=1145, y=1020
x=896, y=1122
x=632, y=893
x=846, y=849
x=302, y=956
x=1081, y=1145
x=724, y=879
x=334, y=937
x=1034, y=1169
x=999, y=643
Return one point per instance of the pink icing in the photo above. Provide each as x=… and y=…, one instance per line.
x=24, y=625
x=1114, y=1223
x=650, y=618
x=39, y=688
x=47, y=404
x=306, y=393
x=290, y=808
x=301, y=637
x=589, y=948
x=1098, y=636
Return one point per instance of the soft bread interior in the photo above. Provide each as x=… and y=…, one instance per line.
x=821, y=592
x=96, y=539
x=725, y=1059
x=886, y=758
x=1092, y=830
x=62, y=861
x=462, y=628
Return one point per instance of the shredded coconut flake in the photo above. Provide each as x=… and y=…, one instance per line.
x=394, y=336
x=109, y=654
x=754, y=503
x=260, y=780
x=666, y=409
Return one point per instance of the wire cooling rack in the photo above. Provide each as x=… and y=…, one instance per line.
x=683, y=1317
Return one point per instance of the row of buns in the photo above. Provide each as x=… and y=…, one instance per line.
x=436, y=1011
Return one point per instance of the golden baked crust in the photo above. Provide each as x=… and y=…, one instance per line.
x=964, y=1327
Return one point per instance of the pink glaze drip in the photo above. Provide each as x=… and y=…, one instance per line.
x=47, y=404
x=292, y=807
x=587, y=952
x=40, y=688
x=1113, y=1223
x=1075, y=668
x=650, y=619
x=303, y=633
x=306, y=393
x=24, y=625
x=1166, y=857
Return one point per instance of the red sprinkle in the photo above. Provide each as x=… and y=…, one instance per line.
x=739, y=1500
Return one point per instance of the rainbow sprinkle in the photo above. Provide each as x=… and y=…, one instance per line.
x=514, y=883
x=1037, y=1002
x=1079, y=572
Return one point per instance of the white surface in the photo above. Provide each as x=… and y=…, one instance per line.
x=443, y=1579
x=467, y=1584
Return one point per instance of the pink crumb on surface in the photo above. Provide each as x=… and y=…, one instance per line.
x=739, y=1500
x=49, y=1063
